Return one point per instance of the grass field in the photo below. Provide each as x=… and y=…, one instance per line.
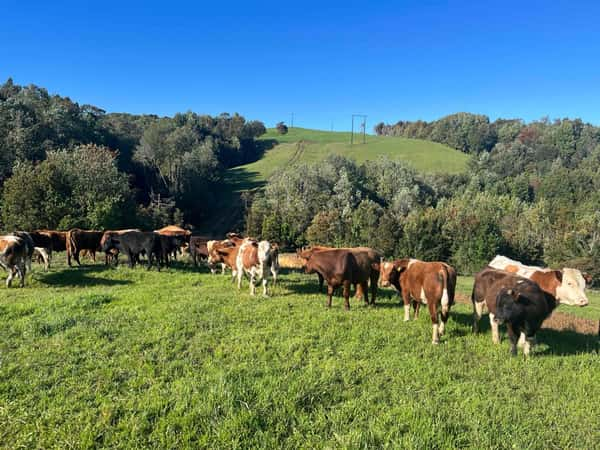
x=121, y=358
x=302, y=145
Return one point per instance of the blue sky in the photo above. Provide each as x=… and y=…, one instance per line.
x=321, y=60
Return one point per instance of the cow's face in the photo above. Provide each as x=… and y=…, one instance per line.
x=108, y=243
x=507, y=306
x=572, y=289
x=387, y=272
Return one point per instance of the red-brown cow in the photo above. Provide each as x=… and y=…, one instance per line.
x=432, y=283
x=340, y=267
x=78, y=240
x=363, y=254
x=225, y=253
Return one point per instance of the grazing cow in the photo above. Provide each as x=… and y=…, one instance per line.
x=198, y=247
x=256, y=259
x=514, y=300
x=366, y=254
x=342, y=267
x=430, y=283
x=78, y=240
x=13, y=256
x=133, y=243
x=566, y=285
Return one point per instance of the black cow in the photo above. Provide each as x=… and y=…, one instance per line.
x=169, y=245
x=133, y=243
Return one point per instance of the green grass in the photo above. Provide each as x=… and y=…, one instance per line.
x=302, y=145
x=96, y=357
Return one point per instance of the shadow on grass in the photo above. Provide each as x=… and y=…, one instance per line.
x=80, y=276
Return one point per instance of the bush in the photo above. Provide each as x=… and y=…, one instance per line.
x=281, y=128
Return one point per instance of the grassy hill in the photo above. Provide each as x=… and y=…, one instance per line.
x=118, y=358
x=302, y=145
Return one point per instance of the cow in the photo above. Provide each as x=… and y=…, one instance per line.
x=257, y=259
x=29, y=244
x=176, y=232
x=512, y=299
x=430, y=283
x=198, y=248
x=224, y=253
x=363, y=253
x=169, y=245
x=78, y=240
x=342, y=267
x=113, y=253
x=42, y=247
x=13, y=256
x=566, y=285
x=132, y=243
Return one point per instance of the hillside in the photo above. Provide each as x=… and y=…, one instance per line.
x=301, y=145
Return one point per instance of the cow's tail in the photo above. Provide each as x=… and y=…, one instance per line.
x=443, y=276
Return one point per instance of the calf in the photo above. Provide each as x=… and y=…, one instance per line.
x=224, y=253
x=198, y=248
x=133, y=243
x=13, y=256
x=341, y=267
x=523, y=305
x=78, y=240
x=257, y=259
x=430, y=283
x=566, y=285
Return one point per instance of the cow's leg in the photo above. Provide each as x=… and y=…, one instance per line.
x=522, y=340
x=435, y=320
x=346, y=288
x=76, y=257
x=374, y=283
x=365, y=289
x=130, y=259
x=274, y=274
x=477, y=313
x=416, y=307
x=69, y=258
x=320, y=282
x=264, y=283
x=495, y=330
x=223, y=268
x=358, y=291
x=330, y=290
x=9, y=278
x=528, y=345
x=93, y=255
x=252, y=281
x=513, y=339
x=23, y=272
x=406, y=299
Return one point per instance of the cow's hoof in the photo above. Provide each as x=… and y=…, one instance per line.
x=435, y=342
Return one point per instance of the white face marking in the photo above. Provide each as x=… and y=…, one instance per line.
x=572, y=290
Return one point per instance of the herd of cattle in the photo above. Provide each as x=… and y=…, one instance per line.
x=520, y=296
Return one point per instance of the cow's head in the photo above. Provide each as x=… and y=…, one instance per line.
x=108, y=242
x=508, y=305
x=572, y=288
x=389, y=272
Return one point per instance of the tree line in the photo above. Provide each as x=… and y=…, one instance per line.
x=531, y=191
x=65, y=165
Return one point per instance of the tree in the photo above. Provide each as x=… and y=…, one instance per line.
x=281, y=128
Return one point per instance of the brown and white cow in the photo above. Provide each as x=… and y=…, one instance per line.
x=257, y=259
x=514, y=300
x=224, y=253
x=14, y=252
x=342, y=267
x=78, y=240
x=566, y=285
x=430, y=283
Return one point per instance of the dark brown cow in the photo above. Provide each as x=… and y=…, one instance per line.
x=78, y=240
x=340, y=267
x=366, y=254
x=113, y=253
x=433, y=283
x=514, y=300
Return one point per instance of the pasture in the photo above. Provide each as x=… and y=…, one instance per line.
x=122, y=358
x=301, y=145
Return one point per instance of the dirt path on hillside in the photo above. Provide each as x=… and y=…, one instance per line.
x=558, y=321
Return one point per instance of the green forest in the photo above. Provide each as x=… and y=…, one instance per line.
x=530, y=191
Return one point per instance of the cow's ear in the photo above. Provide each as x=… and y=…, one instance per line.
x=400, y=265
x=587, y=277
x=559, y=275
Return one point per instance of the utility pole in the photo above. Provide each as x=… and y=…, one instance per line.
x=363, y=126
x=292, y=121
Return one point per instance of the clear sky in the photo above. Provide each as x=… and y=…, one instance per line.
x=321, y=60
